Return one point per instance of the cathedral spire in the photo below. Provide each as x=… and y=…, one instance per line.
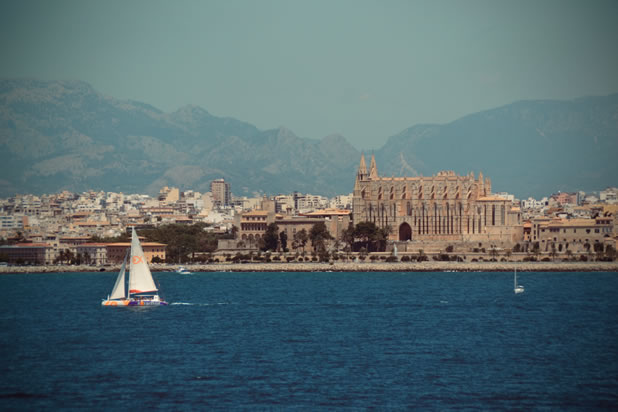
x=373, y=169
x=362, y=169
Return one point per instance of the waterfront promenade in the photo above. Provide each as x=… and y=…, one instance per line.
x=431, y=266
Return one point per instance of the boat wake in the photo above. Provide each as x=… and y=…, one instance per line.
x=197, y=304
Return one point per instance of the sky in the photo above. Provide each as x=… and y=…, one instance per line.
x=363, y=69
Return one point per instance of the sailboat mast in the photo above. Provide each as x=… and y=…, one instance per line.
x=126, y=257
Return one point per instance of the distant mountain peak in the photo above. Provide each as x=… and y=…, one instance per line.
x=193, y=110
x=65, y=135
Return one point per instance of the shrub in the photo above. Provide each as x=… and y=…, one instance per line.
x=405, y=258
x=392, y=259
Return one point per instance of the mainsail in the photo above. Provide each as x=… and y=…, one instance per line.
x=140, y=278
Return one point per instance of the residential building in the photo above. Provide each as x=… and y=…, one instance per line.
x=221, y=193
x=29, y=253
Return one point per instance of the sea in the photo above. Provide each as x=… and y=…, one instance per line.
x=313, y=342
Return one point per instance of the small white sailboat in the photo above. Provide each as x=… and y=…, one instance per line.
x=517, y=288
x=142, y=289
x=183, y=271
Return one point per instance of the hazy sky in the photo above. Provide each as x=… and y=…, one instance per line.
x=363, y=69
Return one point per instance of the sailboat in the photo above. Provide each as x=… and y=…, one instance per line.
x=517, y=288
x=142, y=289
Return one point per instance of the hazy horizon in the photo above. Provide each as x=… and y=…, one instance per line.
x=365, y=70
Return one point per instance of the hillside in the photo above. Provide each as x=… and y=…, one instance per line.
x=66, y=135
x=529, y=148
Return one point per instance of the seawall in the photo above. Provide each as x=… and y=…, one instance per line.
x=431, y=266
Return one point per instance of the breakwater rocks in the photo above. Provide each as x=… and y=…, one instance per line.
x=347, y=267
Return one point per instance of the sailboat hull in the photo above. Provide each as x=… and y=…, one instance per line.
x=133, y=302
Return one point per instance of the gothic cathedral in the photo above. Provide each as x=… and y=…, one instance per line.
x=444, y=207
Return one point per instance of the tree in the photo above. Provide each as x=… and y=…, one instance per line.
x=367, y=232
x=300, y=239
x=347, y=236
x=271, y=238
x=319, y=235
x=182, y=240
x=283, y=240
x=553, y=252
x=69, y=256
x=382, y=237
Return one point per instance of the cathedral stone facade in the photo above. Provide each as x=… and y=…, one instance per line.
x=445, y=207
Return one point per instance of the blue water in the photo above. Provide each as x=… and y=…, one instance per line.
x=313, y=341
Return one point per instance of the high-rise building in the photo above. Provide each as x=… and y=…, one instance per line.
x=221, y=194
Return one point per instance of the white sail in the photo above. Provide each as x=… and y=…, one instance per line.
x=118, y=291
x=517, y=288
x=140, y=278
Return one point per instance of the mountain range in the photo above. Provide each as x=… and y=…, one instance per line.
x=57, y=135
